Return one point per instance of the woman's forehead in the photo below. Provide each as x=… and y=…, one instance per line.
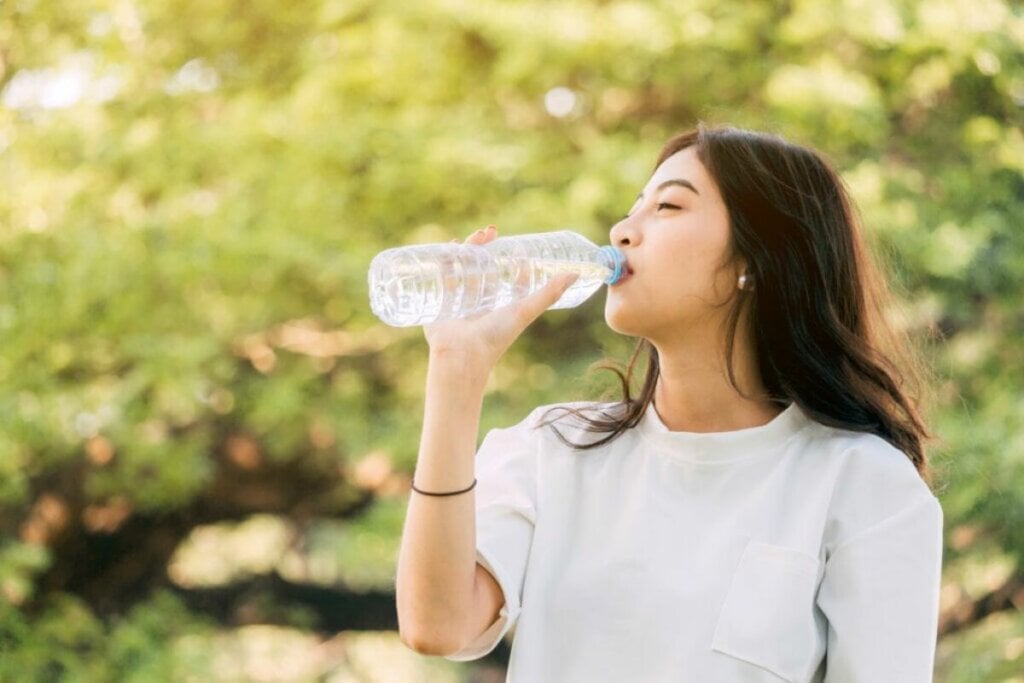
x=683, y=165
x=685, y=160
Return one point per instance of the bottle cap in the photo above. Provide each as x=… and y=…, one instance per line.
x=616, y=261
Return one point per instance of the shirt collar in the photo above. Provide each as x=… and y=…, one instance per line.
x=722, y=447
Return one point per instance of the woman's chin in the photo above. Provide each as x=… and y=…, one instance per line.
x=620, y=320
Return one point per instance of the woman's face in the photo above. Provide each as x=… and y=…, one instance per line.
x=676, y=238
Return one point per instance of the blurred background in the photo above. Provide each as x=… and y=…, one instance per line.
x=206, y=438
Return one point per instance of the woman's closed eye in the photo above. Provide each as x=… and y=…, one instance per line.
x=661, y=205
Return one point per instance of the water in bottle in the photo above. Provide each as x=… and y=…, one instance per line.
x=422, y=284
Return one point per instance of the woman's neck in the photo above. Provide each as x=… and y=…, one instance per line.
x=694, y=394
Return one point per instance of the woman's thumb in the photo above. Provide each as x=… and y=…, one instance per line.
x=566, y=279
x=556, y=287
x=545, y=297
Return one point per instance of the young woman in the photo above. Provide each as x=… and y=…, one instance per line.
x=761, y=512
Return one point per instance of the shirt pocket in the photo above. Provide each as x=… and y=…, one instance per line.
x=767, y=618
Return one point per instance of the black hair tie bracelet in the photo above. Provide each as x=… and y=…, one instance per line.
x=449, y=493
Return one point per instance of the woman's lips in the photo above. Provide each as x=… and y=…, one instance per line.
x=625, y=276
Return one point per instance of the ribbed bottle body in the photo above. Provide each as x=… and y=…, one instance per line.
x=422, y=284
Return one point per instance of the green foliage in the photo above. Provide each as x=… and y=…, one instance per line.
x=19, y=562
x=994, y=651
x=185, y=242
x=66, y=642
x=361, y=554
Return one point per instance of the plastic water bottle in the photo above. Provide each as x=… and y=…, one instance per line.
x=422, y=284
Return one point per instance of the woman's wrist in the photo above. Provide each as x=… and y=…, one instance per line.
x=459, y=366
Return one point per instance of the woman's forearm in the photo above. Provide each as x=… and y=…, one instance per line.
x=437, y=558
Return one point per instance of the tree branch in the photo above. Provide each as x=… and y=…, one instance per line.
x=966, y=613
x=113, y=565
x=271, y=599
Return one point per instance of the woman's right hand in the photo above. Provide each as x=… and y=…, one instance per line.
x=479, y=342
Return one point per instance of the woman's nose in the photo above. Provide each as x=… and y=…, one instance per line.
x=624, y=233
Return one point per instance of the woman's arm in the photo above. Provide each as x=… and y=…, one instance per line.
x=437, y=584
x=436, y=579
x=880, y=593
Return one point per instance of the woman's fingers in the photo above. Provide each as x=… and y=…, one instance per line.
x=482, y=236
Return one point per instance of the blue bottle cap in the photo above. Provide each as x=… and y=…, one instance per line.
x=616, y=260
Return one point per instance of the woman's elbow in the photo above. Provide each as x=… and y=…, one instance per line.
x=427, y=645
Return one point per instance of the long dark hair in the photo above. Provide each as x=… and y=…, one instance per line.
x=818, y=310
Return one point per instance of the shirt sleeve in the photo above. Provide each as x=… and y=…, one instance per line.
x=506, y=469
x=880, y=594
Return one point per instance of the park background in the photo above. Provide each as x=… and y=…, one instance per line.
x=206, y=438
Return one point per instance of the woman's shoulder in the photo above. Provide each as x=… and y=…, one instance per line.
x=866, y=467
x=871, y=483
x=862, y=449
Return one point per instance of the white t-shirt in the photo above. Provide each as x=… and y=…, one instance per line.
x=791, y=551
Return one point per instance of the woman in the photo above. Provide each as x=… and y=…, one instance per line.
x=760, y=512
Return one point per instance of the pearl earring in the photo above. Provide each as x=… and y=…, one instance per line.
x=743, y=282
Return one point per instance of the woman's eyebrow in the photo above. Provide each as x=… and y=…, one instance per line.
x=674, y=181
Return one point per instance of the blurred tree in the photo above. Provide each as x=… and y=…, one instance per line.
x=195, y=190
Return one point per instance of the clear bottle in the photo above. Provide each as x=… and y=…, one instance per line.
x=423, y=284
